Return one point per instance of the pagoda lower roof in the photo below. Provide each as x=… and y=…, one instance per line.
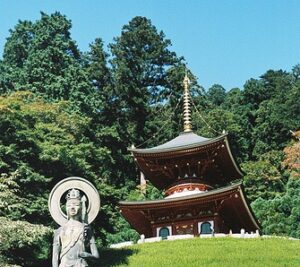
x=229, y=201
x=166, y=201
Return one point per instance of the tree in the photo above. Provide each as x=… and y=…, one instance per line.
x=280, y=215
x=41, y=57
x=264, y=178
x=12, y=74
x=21, y=243
x=217, y=120
x=253, y=93
x=10, y=203
x=140, y=60
x=291, y=161
x=216, y=94
x=43, y=143
x=165, y=120
x=96, y=65
x=232, y=100
x=24, y=244
x=277, y=116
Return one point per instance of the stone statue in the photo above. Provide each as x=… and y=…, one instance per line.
x=74, y=242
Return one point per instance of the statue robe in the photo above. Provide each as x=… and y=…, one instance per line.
x=71, y=238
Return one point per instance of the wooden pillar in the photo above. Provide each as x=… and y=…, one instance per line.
x=143, y=183
x=217, y=223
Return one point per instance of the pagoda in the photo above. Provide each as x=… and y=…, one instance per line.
x=197, y=175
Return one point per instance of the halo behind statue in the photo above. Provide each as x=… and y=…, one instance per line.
x=62, y=187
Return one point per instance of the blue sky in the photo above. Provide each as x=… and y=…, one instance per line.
x=224, y=41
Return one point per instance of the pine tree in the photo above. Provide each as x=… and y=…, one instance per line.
x=141, y=57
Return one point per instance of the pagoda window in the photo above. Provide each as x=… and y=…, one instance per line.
x=205, y=228
x=164, y=232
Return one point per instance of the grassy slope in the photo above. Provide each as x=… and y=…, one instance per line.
x=207, y=252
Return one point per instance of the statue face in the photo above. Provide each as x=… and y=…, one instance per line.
x=73, y=207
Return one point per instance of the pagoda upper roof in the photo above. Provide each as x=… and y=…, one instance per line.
x=183, y=141
x=188, y=155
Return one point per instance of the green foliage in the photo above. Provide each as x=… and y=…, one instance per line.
x=280, y=215
x=264, y=178
x=277, y=113
x=216, y=94
x=146, y=192
x=43, y=143
x=96, y=65
x=41, y=57
x=23, y=244
x=141, y=57
x=125, y=233
x=215, y=122
x=10, y=203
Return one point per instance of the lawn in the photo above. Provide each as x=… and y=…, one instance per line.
x=207, y=252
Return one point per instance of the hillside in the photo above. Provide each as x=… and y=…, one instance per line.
x=207, y=252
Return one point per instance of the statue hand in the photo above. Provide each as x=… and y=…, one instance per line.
x=85, y=255
x=87, y=232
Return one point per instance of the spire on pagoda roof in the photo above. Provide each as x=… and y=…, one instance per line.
x=187, y=122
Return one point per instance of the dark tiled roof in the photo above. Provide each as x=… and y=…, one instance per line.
x=184, y=140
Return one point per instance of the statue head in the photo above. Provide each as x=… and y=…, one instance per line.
x=73, y=205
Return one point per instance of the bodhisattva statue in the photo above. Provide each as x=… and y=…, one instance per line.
x=74, y=243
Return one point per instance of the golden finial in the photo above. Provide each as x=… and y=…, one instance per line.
x=187, y=124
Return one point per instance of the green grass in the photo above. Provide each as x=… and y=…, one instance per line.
x=220, y=252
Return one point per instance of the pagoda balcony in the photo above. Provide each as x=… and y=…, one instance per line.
x=185, y=188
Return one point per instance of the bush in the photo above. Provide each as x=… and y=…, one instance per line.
x=23, y=243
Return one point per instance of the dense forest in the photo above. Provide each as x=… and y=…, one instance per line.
x=65, y=112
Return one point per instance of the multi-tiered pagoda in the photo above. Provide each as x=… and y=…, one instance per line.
x=196, y=174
